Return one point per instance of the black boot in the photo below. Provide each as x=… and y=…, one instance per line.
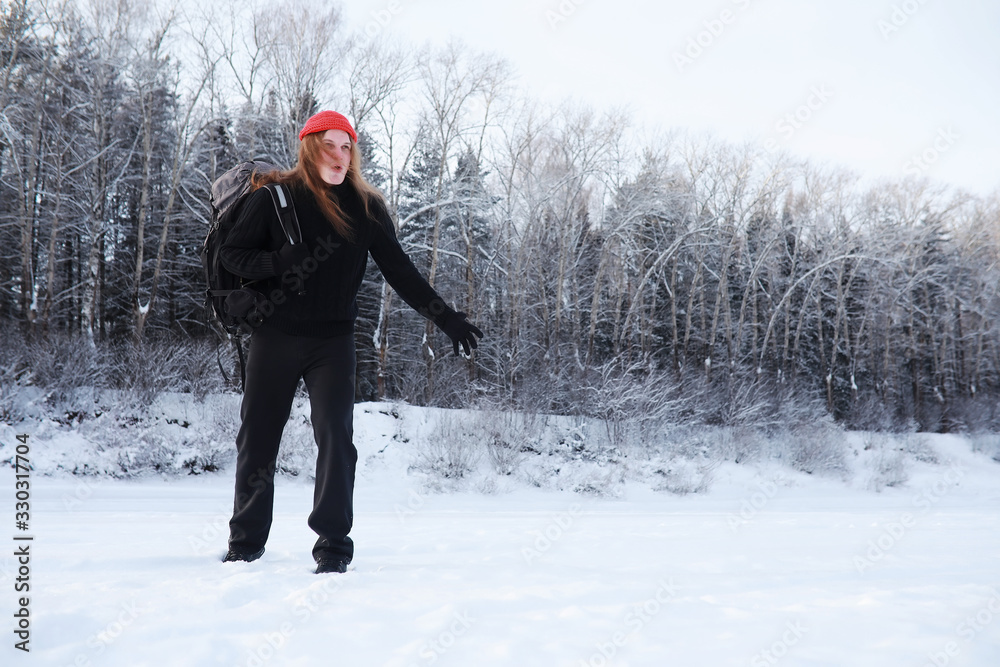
x=237, y=555
x=331, y=564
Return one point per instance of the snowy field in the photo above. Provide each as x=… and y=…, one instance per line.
x=767, y=566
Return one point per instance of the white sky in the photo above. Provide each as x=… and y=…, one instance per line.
x=891, y=95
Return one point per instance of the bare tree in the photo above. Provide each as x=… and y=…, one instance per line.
x=458, y=90
x=188, y=128
x=300, y=47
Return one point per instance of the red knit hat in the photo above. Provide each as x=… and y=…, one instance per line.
x=328, y=120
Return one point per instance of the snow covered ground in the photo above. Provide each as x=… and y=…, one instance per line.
x=768, y=566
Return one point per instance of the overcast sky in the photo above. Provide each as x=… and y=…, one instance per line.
x=867, y=84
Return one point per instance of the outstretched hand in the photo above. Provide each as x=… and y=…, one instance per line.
x=461, y=331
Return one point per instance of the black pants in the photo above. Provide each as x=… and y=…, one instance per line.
x=275, y=363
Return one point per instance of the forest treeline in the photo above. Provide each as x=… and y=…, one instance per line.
x=615, y=274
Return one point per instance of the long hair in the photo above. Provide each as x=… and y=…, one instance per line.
x=306, y=173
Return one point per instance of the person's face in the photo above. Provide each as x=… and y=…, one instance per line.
x=336, y=156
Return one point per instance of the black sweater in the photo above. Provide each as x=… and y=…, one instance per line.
x=319, y=296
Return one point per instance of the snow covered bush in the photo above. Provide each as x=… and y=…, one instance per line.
x=739, y=444
x=507, y=435
x=987, y=443
x=12, y=375
x=297, y=452
x=683, y=476
x=814, y=449
x=918, y=448
x=452, y=450
x=887, y=465
x=635, y=404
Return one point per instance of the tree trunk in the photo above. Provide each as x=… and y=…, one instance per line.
x=139, y=311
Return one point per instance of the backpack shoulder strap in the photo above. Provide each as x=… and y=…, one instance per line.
x=285, y=208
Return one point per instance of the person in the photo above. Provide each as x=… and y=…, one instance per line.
x=308, y=332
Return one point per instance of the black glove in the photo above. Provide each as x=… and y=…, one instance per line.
x=290, y=256
x=460, y=331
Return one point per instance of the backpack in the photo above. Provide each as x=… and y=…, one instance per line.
x=231, y=303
